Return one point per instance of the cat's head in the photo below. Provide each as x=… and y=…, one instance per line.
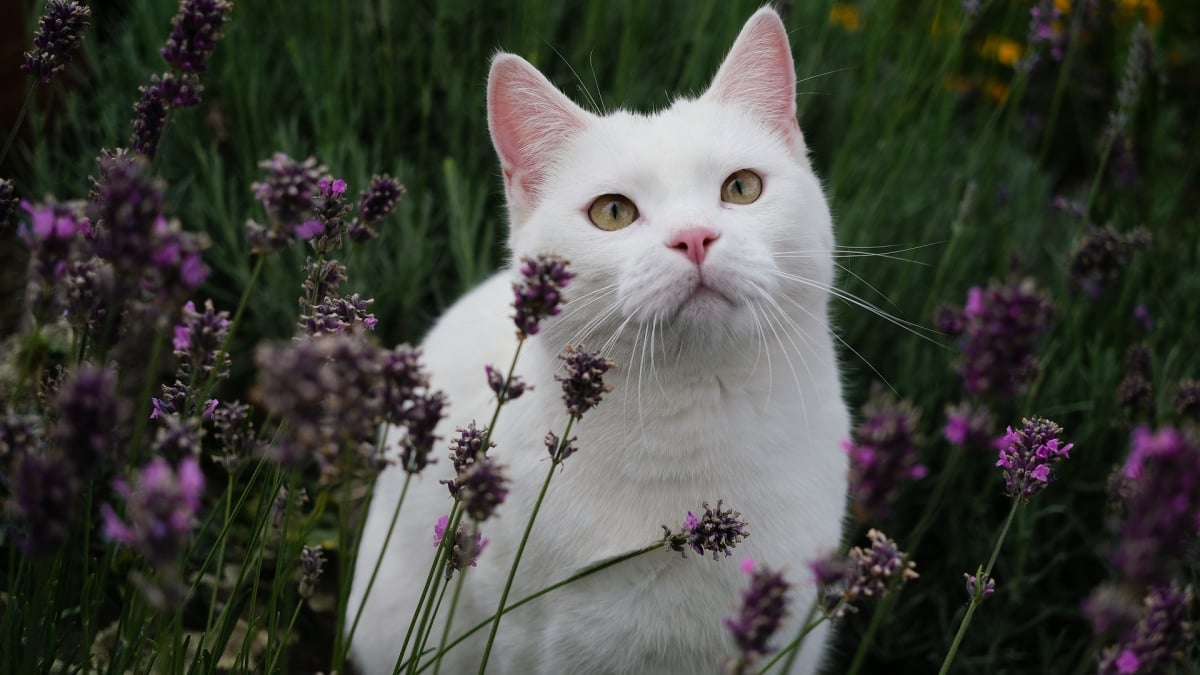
x=704, y=220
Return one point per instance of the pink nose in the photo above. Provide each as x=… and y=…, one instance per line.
x=693, y=242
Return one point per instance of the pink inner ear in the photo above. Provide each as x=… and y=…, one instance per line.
x=530, y=121
x=759, y=74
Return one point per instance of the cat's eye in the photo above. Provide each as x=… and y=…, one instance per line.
x=612, y=212
x=742, y=187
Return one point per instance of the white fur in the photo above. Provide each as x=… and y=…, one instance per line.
x=732, y=395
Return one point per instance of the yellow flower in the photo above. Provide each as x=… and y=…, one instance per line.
x=1002, y=50
x=995, y=90
x=1148, y=10
x=845, y=16
x=1063, y=6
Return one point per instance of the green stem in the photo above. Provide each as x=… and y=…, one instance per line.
x=427, y=629
x=438, y=561
x=792, y=650
x=233, y=325
x=16, y=128
x=978, y=596
x=212, y=604
x=437, y=664
x=284, y=641
x=585, y=572
x=512, y=572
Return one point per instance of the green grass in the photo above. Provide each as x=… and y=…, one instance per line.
x=378, y=86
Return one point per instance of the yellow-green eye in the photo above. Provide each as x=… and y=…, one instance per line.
x=612, y=212
x=742, y=187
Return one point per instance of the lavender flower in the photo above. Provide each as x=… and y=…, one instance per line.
x=44, y=496
x=60, y=30
x=199, y=339
x=375, y=203
x=1110, y=610
x=1001, y=327
x=8, y=202
x=89, y=287
x=716, y=531
x=883, y=453
x=969, y=425
x=583, y=386
x=403, y=378
x=1162, y=637
x=18, y=433
x=160, y=506
x=178, y=438
x=1187, y=399
x=1046, y=34
x=322, y=277
x=87, y=413
x=1138, y=63
x=1135, y=394
x=467, y=447
x=421, y=420
x=870, y=571
x=1102, y=255
x=51, y=235
x=287, y=193
x=1029, y=455
x=329, y=393
x=194, y=33
x=337, y=315
x=234, y=434
x=155, y=101
x=538, y=294
x=466, y=548
x=481, y=488
x=1163, y=474
x=505, y=392
x=764, y=607
x=975, y=589
x=312, y=562
x=329, y=215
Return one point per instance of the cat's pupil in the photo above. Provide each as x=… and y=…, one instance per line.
x=612, y=210
x=737, y=185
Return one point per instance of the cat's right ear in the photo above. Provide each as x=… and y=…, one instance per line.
x=530, y=121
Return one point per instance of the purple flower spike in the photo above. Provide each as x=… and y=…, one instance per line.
x=764, y=607
x=1163, y=481
x=1163, y=635
x=8, y=202
x=538, y=294
x=160, y=507
x=482, y=489
x=87, y=414
x=1028, y=456
x=870, y=571
x=60, y=30
x=883, y=454
x=969, y=425
x=467, y=447
x=379, y=199
x=583, y=386
x=975, y=590
x=717, y=531
x=44, y=497
x=516, y=385
x=1001, y=326
x=465, y=550
x=312, y=563
x=194, y=33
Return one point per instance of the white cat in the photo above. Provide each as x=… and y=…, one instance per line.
x=702, y=248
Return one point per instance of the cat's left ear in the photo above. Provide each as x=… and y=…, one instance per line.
x=759, y=76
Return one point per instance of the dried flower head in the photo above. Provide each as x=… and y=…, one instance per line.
x=160, y=508
x=195, y=30
x=763, y=609
x=969, y=425
x=1135, y=393
x=1001, y=327
x=883, y=454
x=312, y=563
x=1162, y=503
x=583, y=386
x=1163, y=635
x=717, y=531
x=60, y=30
x=538, y=293
x=1028, y=456
x=560, y=449
x=44, y=493
x=87, y=413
